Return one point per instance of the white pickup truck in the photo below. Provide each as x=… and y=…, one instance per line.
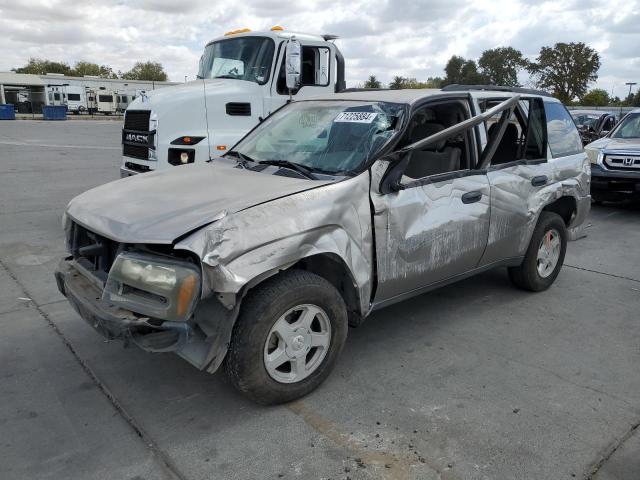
x=241, y=80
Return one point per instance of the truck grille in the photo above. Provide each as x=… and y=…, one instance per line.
x=138, y=121
x=622, y=162
x=92, y=251
x=135, y=151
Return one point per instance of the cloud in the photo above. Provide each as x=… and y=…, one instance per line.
x=412, y=38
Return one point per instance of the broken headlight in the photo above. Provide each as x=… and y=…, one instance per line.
x=158, y=287
x=593, y=155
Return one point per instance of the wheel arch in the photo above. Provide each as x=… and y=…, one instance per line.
x=565, y=206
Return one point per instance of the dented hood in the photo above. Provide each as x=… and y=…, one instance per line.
x=159, y=207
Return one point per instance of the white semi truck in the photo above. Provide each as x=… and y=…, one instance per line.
x=242, y=79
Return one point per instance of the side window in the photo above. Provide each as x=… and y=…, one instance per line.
x=563, y=135
x=608, y=124
x=444, y=156
x=315, y=69
x=524, y=136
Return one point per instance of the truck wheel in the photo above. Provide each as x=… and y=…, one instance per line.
x=287, y=338
x=545, y=254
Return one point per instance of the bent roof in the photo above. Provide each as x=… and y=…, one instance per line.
x=412, y=95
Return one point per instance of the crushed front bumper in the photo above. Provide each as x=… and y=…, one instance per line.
x=85, y=296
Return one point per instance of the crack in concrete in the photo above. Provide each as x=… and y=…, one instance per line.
x=164, y=459
x=612, y=448
x=602, y=273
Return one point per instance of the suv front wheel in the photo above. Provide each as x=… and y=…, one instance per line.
x=545, y=255
x=287, y=338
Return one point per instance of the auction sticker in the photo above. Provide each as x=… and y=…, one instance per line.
x=355, y=117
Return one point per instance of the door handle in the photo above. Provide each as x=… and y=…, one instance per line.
x=539, y=180
x=471, y=197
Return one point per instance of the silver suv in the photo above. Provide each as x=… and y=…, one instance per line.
x=328, y=210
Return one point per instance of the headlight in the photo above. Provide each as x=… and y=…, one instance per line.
x=158, y=287
x=592, y=154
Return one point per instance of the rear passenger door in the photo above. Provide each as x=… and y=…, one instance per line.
x=518, y=175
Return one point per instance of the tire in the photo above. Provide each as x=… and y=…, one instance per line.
x=256, y=337
x=529, y=275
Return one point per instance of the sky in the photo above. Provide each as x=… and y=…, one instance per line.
x=411, y=38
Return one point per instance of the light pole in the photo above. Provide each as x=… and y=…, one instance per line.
x=631, y=84
x=185, y=79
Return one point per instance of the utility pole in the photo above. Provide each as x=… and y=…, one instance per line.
x=631, y=84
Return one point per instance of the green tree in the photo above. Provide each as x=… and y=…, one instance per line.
x=146, y=71
x=372, y=82
x=566, y=69
x=500, y=66
x=596, y=98
x=397, y=83
x=83, y=68
x=434, y=82
x=636, y=100
x=462, y=71
x=40, y=66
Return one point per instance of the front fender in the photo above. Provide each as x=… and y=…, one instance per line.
x=243, y=248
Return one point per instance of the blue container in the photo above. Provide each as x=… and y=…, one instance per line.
x=54, y=112
x=7, y=112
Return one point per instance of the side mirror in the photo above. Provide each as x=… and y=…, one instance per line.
x=391, y=181
x=293, y=63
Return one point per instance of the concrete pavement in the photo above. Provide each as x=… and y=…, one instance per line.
x=477, y=380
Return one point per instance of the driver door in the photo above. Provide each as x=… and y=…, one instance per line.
x=431, y=213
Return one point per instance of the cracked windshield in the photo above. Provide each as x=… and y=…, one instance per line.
x=334, y=137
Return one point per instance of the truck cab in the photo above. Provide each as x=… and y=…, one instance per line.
x=241, y=80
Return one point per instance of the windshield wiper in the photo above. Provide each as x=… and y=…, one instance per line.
x=228, y=76
x=242, y=158
x=291, y=166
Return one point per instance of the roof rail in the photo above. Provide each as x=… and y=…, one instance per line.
x=454, y=87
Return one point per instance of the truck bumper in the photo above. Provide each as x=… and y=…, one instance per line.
x=614, y=181
x=85, y=296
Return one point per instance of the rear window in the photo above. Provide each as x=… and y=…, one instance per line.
x=562, y=133
x=105, y=98
x=74, y=97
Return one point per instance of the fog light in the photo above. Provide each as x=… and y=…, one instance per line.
x=184, y=157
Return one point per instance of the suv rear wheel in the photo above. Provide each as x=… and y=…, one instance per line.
x=287, y=338
x=545, y=254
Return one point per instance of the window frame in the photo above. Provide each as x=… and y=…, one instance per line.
x=390, y=182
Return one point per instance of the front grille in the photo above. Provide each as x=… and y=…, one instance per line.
x=239, y=109
x=135, y=151
x=622, y=162
x=136, y=167
x=92, y=251
x=137, y=120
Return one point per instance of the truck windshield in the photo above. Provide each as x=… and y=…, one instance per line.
x=629, y=127
x=245, y=58
x=334, y=137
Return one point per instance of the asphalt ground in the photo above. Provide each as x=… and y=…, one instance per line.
x=477, y=380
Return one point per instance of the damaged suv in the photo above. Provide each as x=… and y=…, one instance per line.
x=329, y=209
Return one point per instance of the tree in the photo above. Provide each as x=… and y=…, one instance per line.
x=39, y=66
x=566, y=69
x=397, y=83
x=500, y=66
x=596, y=98
x=372, y=82
x=146, y=71
x=462, y=71
x=83, y=68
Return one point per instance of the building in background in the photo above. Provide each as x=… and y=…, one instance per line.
x=80, y=94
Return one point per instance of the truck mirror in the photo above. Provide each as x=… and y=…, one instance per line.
x=293, y=63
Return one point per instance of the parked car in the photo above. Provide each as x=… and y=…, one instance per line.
x=593, y=124
x=615, y=160
x=328, y=210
